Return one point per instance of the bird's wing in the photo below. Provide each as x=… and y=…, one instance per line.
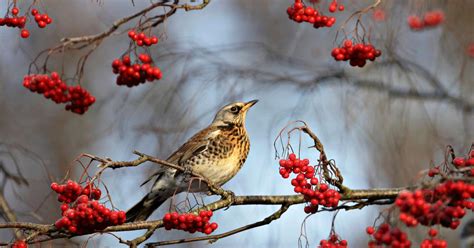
x=195, y=145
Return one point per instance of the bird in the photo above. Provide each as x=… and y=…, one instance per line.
x=217, y=152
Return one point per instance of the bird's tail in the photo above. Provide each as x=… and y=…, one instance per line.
x=145, y=207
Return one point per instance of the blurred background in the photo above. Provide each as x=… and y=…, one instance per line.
x=382, y=123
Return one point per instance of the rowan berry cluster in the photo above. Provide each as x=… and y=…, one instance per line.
x=81, y=99
x=298, y=12
x=389, y=236
x=357, y=54
x=14, y=21
x=135, y=74
x=141, y=39
x=190, y=222
x=70, y=191
x=315, y=193
x=433, y=242
x=20, y=244
x=429, y=19
x=42, y=20
x=80, y=210
x=333, y=242
x=444, y=205
x=52, y=87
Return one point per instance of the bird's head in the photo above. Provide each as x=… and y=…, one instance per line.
x=233, y=114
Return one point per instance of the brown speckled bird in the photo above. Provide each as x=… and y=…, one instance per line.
x=216, y=152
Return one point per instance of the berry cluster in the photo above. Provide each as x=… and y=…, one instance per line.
x=333, y=242
x=444, y=205
x=141, y=39
x=81, y=213
x=190, y=222
x=429, y=19
x=298, y=12
x=70, y=191
x=81, y=99
x=20, y=244
x=42, y=20
x=389, y=236
x=15, y=21
x=135, y=74
x=315, y=193
x=52, y=87
x=433, y=242
x=356, y=54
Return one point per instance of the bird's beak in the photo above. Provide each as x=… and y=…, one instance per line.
x=249, y=104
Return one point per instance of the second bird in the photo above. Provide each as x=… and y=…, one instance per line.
x=216, y=152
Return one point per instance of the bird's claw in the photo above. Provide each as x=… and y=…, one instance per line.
x=227, y=194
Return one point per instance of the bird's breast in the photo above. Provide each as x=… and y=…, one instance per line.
x=224, y=157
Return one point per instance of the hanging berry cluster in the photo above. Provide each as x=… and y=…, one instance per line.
x=357, y=54
x=428, y=20
x=315, y=193
x=444, y=205
x=333, y=242
x=141, y=39
x=14, y=21
x=71, y=190
x=135, y=74
x=298, y=12
x=81, y=211
x=80, y=101
x=42, y=20
x=190, y=222
x=387, y=235
x=433, y=242
x=77, y=99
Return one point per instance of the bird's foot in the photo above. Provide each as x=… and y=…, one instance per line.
x=229, y=195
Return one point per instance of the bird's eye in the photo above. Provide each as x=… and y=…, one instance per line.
x=234, y=110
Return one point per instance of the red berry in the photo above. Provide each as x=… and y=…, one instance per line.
x=433, y=232
x=459, y=162
x=15, y=11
